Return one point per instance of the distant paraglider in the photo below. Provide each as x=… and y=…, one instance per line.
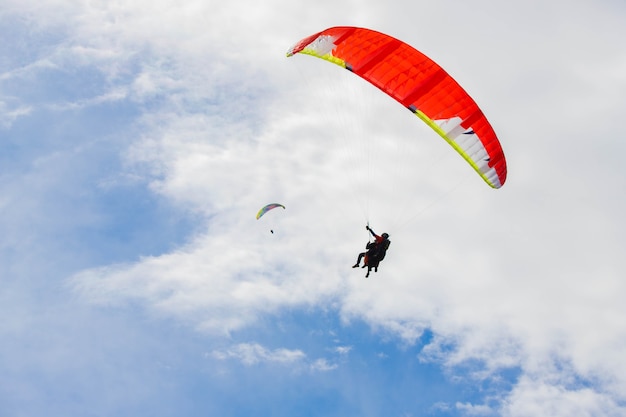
x=267, y=208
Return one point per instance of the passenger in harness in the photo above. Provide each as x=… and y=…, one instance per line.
x=375, y=252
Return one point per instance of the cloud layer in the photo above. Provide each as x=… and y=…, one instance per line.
x=526, y=280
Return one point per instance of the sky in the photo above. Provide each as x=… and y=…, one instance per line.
x=139, y=139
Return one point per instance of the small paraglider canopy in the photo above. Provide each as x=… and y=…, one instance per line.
x=267, y=208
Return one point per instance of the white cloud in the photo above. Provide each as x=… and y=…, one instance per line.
x=343, y=350
x=9, y=115
x=322, y=365
x=475, y=410
x=117, y=94
x=531, y=396
x=253, y=353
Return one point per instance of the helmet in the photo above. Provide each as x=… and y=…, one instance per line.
x=385, y=235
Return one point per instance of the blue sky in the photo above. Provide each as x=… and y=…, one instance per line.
x=138, y=141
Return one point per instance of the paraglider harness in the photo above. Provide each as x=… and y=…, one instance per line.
x=375, y=251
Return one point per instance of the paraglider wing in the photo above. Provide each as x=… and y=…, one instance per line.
x=267, y=208
x=419, y=84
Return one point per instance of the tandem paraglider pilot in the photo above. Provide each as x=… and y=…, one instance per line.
x=375, y=252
